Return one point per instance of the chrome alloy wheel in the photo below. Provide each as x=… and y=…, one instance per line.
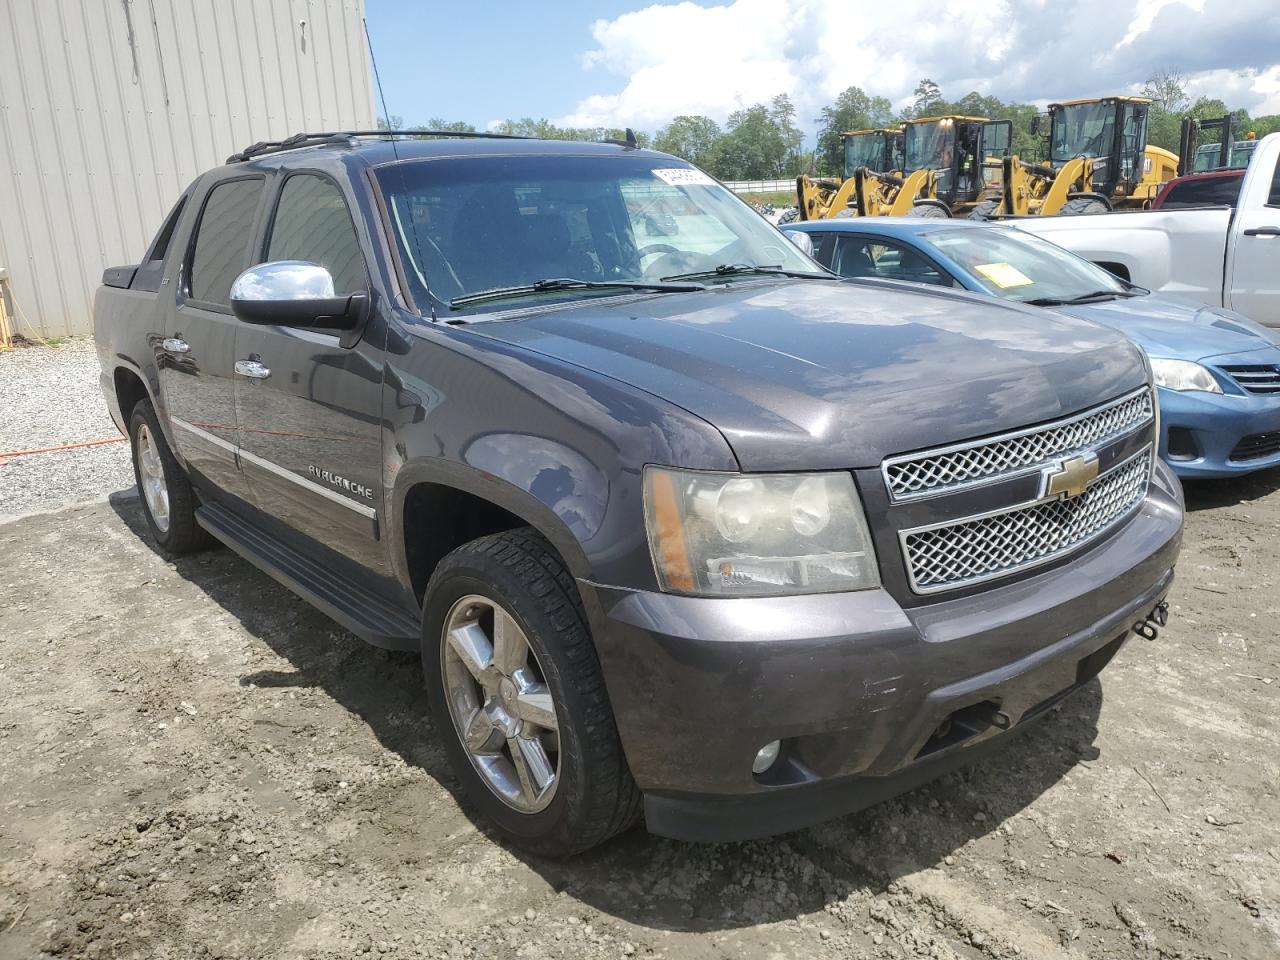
x=151, y=477
x=500, y=703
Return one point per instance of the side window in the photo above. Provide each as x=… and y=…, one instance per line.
x=160, y=245
x=1273, y=198
x=860, y=257
x=312, y=223
x=1201, y=193
x=221, y=251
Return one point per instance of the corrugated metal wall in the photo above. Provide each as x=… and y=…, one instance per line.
x=108, y=108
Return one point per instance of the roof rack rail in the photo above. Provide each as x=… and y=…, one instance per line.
x=340, y=137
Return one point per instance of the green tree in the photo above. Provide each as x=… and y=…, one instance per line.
x=752, y=148
x=691, y=137
x=852, y=110
x=782, y=113
x=927, y=98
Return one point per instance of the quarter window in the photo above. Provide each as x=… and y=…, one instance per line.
x=221, y=250
x=312, y=223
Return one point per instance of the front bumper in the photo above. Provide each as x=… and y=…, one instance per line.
x=1200, y=431
x=859, y=689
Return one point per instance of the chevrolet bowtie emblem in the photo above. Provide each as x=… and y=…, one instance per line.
x=1069, y=478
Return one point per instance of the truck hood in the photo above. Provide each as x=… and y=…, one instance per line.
x=1167, y=326
x=805, y=374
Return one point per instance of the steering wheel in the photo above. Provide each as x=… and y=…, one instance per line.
x=656, y=248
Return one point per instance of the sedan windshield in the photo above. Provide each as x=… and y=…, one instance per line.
x=506, y=225
x=1019, y=266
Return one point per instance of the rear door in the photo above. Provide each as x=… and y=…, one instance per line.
x=308, y=402
x=1253, y=261
x=197, y=354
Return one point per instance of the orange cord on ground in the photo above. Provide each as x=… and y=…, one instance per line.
x=5, y=455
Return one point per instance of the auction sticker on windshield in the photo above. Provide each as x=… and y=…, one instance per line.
x=683, y=177
x=1003, y=275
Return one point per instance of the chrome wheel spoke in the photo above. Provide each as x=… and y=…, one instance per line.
x=482, y=737
x=534, y=704
x=533, y=767
x=474, y=649
x=151, y=480
x=510, y=648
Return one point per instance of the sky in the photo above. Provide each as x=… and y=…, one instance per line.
x=618, y=63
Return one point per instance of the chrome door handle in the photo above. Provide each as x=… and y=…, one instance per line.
x=175, y=345
x=252, y=368
x=1263, y=232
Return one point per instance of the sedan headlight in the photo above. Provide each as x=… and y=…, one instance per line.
x=1183, y=375
x=736, y=535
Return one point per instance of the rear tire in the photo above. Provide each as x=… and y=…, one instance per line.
x=168, y=501
x=1082, y=206
x=548, y=698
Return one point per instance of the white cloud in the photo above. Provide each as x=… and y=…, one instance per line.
x=673, y=58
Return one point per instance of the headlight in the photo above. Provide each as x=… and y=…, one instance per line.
x=1183, y=375
x=717, y=534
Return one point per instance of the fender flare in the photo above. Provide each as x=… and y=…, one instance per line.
x=496, y=490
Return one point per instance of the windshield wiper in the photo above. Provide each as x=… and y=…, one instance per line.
x=569, y=283
x=733, y=269
x=1093, y=296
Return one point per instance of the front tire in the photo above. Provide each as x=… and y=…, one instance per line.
x=934, y=210
x=1083, y=206
x=168, y=501
x=985, y=210
x=518, y=698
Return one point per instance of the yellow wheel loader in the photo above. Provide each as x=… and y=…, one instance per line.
x=822, y=198
x=1099, y=160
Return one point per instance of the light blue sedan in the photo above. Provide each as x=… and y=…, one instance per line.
x=1218, y=372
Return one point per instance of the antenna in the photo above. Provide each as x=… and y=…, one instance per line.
x=431, y=303
x=377, y=78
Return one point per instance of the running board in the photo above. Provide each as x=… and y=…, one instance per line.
x=364, y=613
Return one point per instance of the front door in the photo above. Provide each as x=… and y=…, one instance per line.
x=197, y=355
x=1253, y=267
x=308, y=402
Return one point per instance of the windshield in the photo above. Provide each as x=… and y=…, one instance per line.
x=1019, y=266
x=1083, y=130
x=930, y=145
x=464, y=226
x=864, y=150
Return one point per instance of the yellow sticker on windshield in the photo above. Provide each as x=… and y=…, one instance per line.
x=1003, y=275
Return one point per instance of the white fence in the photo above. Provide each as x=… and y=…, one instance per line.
x=761, y=186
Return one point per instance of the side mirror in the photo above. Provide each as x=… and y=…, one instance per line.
x=801, y=240
x=294, y=293
x=1035, y=124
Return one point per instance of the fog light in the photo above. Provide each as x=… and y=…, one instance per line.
x=765, y=758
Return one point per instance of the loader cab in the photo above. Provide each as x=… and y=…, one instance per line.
x=965, y=152
x=878, y=150
x=1110, y=131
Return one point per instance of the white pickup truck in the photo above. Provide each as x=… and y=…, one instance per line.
x=1221, y=257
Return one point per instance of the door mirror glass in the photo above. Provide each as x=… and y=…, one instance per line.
x=295, y=293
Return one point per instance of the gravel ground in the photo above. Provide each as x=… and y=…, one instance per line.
x=194, y=763
x=50, y=396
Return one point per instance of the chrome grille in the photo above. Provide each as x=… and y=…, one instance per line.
x=931, y=472
x=1261, y=378
x=974, y=549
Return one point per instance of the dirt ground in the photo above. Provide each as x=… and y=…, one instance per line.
x=193, y=763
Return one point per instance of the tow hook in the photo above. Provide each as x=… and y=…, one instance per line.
x=1149, y=628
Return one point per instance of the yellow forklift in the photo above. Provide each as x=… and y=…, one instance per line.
x=822, y=198
x=1099, y=160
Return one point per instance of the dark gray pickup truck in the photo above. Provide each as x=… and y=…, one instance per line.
x=680, y=523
